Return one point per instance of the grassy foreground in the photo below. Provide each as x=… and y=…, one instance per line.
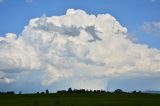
x=80, y=99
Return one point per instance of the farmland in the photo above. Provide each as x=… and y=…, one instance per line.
x=80, y=99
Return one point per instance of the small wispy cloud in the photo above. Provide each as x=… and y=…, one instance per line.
x=151, y=27
x=28, y=1
x=153, y=1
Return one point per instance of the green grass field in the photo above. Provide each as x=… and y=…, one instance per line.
x=84, y=99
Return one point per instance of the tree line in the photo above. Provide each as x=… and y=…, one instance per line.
x=94, y=91
x=7, y=93
x=70, y=90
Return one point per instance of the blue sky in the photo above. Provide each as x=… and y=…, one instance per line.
x=15, y=14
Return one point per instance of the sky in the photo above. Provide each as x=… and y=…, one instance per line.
x=131, y=13
x=55, y=43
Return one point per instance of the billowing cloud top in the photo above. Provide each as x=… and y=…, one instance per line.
x=76, y=49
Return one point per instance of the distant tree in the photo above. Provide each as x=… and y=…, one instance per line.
x=20, y=92
x=42, y=92
x=47, y=91
x=8, y=93
x=90, y=91
x=134, y=91
x=118, y=91
x=69, y=90
x=139, y=92
x=103, y=91
x=62, y=91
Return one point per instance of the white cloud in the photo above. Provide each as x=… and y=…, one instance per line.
x=153, y=1
x=75, y=50
x=28, y=1
x=6, y=80
x=152, y=27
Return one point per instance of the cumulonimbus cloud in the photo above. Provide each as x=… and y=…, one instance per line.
x=78, y=49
